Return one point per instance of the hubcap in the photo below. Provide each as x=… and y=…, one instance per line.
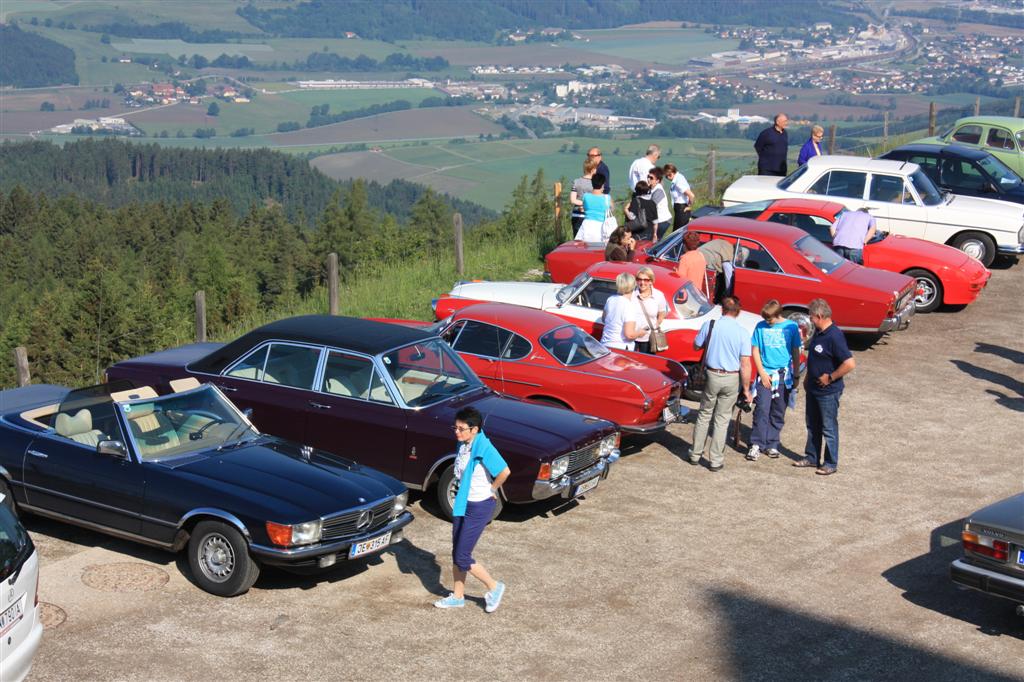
x=452, y=487
x=925, y=292
x=973, y=248
x=216, y=558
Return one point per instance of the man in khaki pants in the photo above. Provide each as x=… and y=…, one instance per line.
x=727, y=361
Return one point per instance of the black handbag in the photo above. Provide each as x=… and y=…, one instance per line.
x=698, y=379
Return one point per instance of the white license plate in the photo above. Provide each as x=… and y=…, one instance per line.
x=10, y=617
x=586, y=486
x=368, y=546
x=668, y=415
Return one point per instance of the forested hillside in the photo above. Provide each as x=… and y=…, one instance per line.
x=32, y=61
x=115, y=173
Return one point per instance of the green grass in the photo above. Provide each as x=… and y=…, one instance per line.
x=200, y=15
x=89, y=64
x=673, y=47
x=257, y=52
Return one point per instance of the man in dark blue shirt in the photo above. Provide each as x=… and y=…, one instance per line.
x=602, y=168
x=828, y=361
x=772, y=146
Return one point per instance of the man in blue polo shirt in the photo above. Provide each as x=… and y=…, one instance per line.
x=828, y=361
x=727, y=362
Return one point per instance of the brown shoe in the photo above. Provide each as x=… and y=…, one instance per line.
x=825, y=470
x=805, y=462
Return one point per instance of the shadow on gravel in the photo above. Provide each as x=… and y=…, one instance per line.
x=1005, y=353
x=1009, y=401
x=87, y=538
x=421, y=563
x=925, y=581
x=807, y=647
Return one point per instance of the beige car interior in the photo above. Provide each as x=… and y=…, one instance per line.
x=78, y=428
x=356, y=384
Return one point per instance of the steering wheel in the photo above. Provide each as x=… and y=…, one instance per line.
x=197, y=435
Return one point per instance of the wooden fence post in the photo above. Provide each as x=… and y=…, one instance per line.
x=1016, y=106
x=332, y=283
x=712, y=175
x=459, y=262
x=200, y=316
x=931, y=119
x=832, y=139
x=21, y=365
x=558, y=212
x=885, y=129
x=977, y=105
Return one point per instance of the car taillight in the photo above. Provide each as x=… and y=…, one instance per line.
x=985, y=546
x=545, y=472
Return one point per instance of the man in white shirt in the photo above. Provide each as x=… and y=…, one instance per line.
x=642, y=166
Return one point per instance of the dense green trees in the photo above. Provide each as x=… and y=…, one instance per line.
x=31, y=61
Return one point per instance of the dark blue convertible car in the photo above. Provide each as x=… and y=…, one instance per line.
x=187, y=470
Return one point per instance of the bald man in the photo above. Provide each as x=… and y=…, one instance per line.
x=772, y=146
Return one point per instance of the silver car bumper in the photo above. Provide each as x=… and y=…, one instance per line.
x=568, y=485
x=984, y=580
x=1010, y=250
x=901, y=320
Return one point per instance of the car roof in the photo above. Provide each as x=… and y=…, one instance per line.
x=517, y=318
x=1004, y=121
x=837, y=162
x=817, y=206
x=758, y=230
x=351, y=333
x=958, y=150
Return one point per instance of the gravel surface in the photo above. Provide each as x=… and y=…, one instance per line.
x=666, y=571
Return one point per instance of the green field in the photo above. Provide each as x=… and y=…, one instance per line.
x=672, y=47
x=89, y=53
x=200, y=15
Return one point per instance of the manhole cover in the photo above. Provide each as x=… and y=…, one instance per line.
x=124, y=577
x=51, y=615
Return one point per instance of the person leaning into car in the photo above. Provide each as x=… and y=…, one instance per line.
x=851, y=232
x=480, y=471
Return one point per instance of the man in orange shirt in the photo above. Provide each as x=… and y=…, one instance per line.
x=692, y=264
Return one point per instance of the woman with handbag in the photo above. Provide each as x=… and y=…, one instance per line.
x=597, y=208
x=653, y=307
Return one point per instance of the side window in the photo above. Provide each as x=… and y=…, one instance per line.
x=968, y=134
x=887, y=188
x=962, y=174
x=291, y=365
x=478, y=338
x=929, y=164
x=379, y=393
x=517, y=349
x=251, y=366
x=812, y=225
x=597, y=292
x=846, y=184
x=999, y=138
x=752, y=256
x=452, y=332
x=820, y=185
x=88, y=424
x=347, y=375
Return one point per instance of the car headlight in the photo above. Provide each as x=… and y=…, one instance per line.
x=399, y=506
x=297, y=534
x=559, y=467
x=610, y=444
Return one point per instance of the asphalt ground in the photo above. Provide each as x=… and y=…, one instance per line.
x=665, y=572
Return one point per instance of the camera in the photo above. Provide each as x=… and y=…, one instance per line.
x=743, y=404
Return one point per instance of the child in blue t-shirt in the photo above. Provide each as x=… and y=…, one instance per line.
x=775, y=351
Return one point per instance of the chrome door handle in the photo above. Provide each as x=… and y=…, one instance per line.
x=36, y=453
x=319, y=406
x=227, y=388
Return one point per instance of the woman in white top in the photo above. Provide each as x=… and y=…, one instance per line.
x=622, y=317
x=660, y=198
x=651, y=300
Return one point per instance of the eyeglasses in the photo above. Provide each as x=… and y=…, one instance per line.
x=644, y=279
x=461, y=429
x=597, y=154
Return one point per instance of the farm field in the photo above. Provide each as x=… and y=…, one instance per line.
x=665, y=46
x=200, y=15
x=412, y=124
x=19, y=109
x=89, y=54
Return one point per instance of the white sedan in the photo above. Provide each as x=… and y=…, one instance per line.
x=902, y=199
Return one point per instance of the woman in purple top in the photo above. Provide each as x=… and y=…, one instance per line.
x=812, y=147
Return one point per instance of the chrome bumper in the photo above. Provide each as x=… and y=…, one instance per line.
x=681, y=415
x=309, y=554
x=564, y=486
x=984, y=580
x=902, y=319
x=1010, y=250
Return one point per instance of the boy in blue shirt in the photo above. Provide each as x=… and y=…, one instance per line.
x=775, y=351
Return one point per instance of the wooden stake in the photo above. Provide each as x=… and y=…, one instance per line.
x=1016, y=106
x=712, y=175
x=558, y=212
x=332, y=283
x=977, y=105
x=21, y=366
x=200, y=316
x=459, y=261
x=931, y=119
x=885, y=130
x=832, y=139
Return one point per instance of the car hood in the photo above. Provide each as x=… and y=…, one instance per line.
x=917, y=249
x=1006, y=515
x=752, y=188
x=536, y=430
x=1008, y=215
x=277, y=471
x=528, y=294
x=883, y=281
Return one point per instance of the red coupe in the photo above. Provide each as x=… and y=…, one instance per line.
x=538, y=356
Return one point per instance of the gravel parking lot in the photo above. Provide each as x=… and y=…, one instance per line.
x=666, y=571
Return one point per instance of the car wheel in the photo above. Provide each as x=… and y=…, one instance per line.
x=978, y=245
x=8, y=502
x=929, y=290
x=219, y=558
x=446, y=488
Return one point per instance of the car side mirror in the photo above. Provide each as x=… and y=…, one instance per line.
x=112, y=448
x=247, y=413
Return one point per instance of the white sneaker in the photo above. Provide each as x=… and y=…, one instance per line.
x=773, y=453
x=754, y=453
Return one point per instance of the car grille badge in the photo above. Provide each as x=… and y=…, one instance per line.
x=307, y=452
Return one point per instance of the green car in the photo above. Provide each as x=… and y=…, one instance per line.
x=1002, y=136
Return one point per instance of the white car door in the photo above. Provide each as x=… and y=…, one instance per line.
x=896, y=207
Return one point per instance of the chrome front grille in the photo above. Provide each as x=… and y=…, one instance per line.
x=584, y=457
x=344, y=525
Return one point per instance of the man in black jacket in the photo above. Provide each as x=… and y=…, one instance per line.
x=772, y=146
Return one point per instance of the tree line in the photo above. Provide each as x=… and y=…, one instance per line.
x=32, y=61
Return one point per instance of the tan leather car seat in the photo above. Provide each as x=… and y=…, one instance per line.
x=152, y=430
x=78, y=428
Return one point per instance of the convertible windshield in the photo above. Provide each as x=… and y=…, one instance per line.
x=184, y=423
x=792, y=177
x=930, y=194
x=822, y=257
x=750, y=210
x=428, y=372
x=690, y=302
x=563, y=294
x=1002, y=174
x=571, y=346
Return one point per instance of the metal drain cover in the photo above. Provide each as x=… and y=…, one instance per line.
x=51, y=615
x=124, y=577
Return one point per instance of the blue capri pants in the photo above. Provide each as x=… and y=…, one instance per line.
x=466, y=531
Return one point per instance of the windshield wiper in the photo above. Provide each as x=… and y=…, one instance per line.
x=241, y=425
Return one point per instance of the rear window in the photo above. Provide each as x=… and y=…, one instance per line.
x=819, y=255
x=15, y=545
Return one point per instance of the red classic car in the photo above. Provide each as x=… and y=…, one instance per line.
x=538, y=356
x=944, y=274
x=582, y=303
x=785, y=263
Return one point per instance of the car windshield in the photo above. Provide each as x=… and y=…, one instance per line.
x=930, y=194
x=571, y=346
x=1002, y=174
x=185, y=423
x=565, y=292
x=792, y=177
x=822, y=257
x=754, y=208
x=428, y=371
x=690, y=302
x=15, y=545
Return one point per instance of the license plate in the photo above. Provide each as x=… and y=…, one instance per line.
x=668, y=415
x=10, y=617
x=586, y=486
x=1020, y=558
x=368, y=546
